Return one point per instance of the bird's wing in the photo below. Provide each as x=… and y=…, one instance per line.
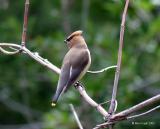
x=78, y=64
x=65, y=74
x=74, y=74
x=63, y=79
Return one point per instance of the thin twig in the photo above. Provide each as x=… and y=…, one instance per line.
x=13, y=45
x=13, y=48
x=76, y=116
x=8, y=52
x=102, y=70
x=144, y=113
x=116, y=79
x=25, y=23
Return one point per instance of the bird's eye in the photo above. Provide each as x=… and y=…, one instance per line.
x=68, y=39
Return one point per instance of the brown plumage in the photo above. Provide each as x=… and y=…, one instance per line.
x=75, y=63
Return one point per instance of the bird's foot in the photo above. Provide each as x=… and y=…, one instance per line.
x=77, y=84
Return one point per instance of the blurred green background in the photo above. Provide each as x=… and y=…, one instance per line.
x=26, y=87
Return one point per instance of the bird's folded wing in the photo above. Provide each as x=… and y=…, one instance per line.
x=75, y=71
x=74, y=74
x=64, y=76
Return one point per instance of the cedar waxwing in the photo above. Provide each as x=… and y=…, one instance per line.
x=75, y=63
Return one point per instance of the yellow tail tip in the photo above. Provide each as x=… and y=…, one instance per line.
x=53, y=104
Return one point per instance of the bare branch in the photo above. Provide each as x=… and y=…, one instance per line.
x=76, y=116
x=25, y=23
x=144, y=113
x=13, y=45
x=102, y=70
x=13, y=48
x=35, y=56
x=138, y=107
x=55, y=69
x=124, y=115
x=41, y=60
x=116, y=79
x=8, y=52
x=91, y=101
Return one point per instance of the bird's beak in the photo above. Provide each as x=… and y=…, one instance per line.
x=65, y=41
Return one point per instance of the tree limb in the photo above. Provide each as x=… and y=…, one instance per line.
x=124, y=115
x=55, y=69
x=144, y=113
x=137, y=107
x=117, y=73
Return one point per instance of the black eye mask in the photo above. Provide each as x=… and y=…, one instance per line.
x=68, y=39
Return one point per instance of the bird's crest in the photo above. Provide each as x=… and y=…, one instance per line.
x=76, y=33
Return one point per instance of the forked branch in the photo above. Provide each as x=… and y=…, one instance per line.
x=55, y=69
x=124, y=115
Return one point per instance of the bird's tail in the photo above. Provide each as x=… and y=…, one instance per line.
x=56, y=96
x=55, y=99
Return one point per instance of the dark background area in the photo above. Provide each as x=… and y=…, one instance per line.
x=26, y=87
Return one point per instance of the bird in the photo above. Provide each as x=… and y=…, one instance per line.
x=75, y=64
